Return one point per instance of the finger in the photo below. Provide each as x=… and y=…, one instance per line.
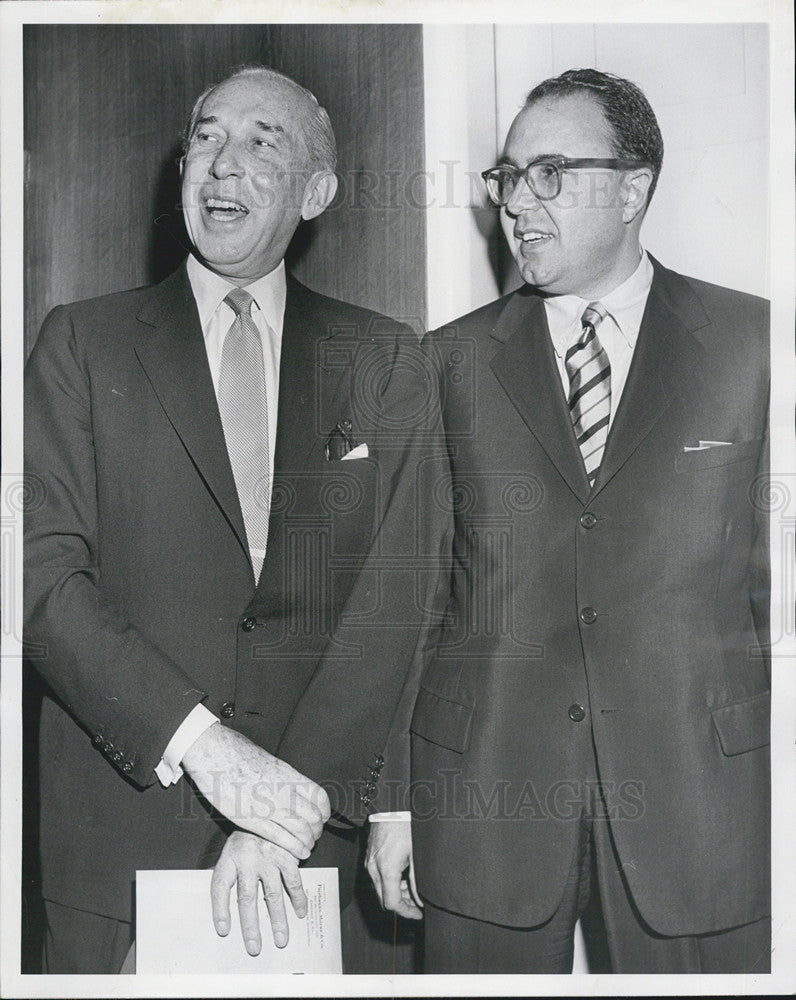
x=375, y=877
x=221, y=882
x=297, y=826
x=291, y=877
x=248, y=887
x=316, y=797
x=307, y=810
x=309, y=802
x=276, y=834
x=408, y=907
x=275, y=901
x=413, y=882
x=391, y=888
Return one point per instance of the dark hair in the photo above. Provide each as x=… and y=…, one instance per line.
x=634, y=127
x=318, y=133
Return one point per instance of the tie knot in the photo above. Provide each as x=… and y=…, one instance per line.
x=239, y=301
x=593, y=315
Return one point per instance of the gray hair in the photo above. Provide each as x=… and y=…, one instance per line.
x=318, y=134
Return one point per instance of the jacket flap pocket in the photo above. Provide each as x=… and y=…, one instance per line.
x=722, y=454
x=744, y=725
x=438, y=720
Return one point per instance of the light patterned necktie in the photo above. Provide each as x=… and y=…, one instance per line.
x=590, y=390
x=244, y=415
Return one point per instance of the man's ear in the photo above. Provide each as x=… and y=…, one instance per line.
x=181, y=163
x=318, y=193
x=635, y=192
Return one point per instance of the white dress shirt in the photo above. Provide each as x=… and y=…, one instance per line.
x=216, y=317
x=618, y=334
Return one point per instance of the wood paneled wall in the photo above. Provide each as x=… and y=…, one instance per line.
x=104, y=109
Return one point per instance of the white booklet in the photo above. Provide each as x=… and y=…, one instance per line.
x=175, y=933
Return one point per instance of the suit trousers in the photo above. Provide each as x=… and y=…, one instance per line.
x=458, y=944
x=77, y=942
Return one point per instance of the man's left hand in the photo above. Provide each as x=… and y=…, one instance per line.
x=388, y=859
x=250, y=862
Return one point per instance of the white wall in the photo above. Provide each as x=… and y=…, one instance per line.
x=708, y=85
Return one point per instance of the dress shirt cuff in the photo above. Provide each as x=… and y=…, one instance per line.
x=393, y=817
x=195, y=723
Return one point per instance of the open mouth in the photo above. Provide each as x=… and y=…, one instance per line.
x=224, y=209
x=533, y=237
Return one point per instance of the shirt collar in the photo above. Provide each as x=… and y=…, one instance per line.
x=210, y=290
x=625, y=305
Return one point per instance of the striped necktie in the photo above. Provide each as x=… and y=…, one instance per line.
x=590, y=390
x=244, y=416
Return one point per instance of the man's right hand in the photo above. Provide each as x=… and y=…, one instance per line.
x=257, y=791
x=388, y=856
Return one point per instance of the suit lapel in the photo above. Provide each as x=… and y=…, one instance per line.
x=667, y=362
x=525, y=367
x=172, y=352
x=300, y=384
x=300, y=440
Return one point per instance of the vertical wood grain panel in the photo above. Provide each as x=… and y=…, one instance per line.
x=369, y=246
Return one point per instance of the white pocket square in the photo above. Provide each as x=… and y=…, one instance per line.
x=361, y=451
x=704, y=445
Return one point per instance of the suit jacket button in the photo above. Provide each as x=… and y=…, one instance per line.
x=107, y=748
x=127, y=766
x=370, y=788
x=588, y=616
x=97, y=741
x=588, y=520
x=577, y=713
x=248, y=624
x=118, y=757
x=379, y=760
x=228, y=709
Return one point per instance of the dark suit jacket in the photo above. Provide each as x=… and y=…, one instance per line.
x=139, y=593
x=629, y=615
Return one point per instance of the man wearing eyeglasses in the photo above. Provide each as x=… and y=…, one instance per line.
x=593, y=719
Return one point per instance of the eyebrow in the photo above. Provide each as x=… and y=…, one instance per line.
x=509, y=161
x=263, y=126
x=266, y=127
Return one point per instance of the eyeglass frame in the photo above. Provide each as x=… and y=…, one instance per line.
x=561, y=163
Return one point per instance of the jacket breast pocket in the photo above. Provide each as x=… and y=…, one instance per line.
x=442, y=721
x=718, y=455
x=744, y=725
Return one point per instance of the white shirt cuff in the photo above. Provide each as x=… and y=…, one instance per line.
x=193, y=725
x=393, y=817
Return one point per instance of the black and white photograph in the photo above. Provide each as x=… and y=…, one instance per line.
x=398, y=499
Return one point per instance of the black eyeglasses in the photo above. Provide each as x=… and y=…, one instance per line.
x=543, y=176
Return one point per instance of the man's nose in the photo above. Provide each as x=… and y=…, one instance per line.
x=226, y=162
x=522, y=198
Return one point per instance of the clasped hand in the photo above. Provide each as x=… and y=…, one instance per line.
x=257, y=791
x=281, y=814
